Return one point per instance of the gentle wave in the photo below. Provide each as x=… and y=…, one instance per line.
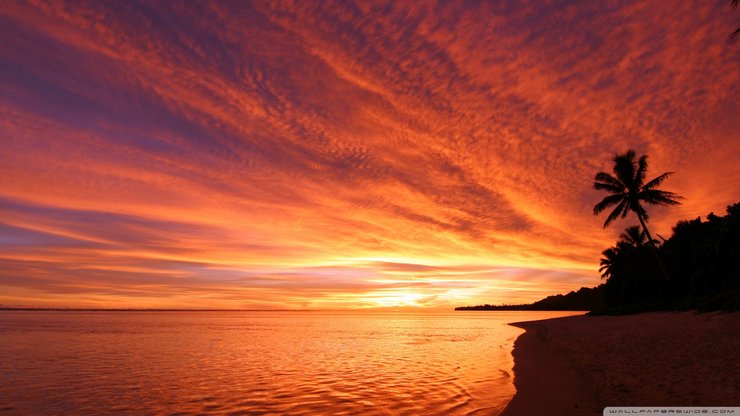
x=256, y=363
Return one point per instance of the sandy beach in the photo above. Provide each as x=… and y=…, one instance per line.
x=579, y=365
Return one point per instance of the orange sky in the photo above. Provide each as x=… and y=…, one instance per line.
x=337, y=155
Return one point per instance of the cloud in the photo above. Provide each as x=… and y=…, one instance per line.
x=297, y=153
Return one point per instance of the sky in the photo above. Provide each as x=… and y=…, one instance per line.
x=332, y=155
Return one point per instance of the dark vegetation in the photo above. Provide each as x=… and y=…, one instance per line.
x=703, y=264
x=629, y=192
x=585, y=299
x=697, y=268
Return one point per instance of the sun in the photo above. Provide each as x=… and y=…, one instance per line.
x=398, y=299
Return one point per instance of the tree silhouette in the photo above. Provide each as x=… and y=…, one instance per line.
x=629, y=191
x=609, y=262
x=633, y=236
x=701, y=257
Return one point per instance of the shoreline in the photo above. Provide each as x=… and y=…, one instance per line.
x=578, y=365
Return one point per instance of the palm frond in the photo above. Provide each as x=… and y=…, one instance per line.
x=607, y=178
x=620, y=209
x=633, y=236
x=608, y=262
x=626, y=210
x=658, y=197
x=607, y=202
x=608, y=187
x=657, y=181
x=610, y=255
x=624, y=167
x=638, y=209
x=607, y=182
x=641, y=170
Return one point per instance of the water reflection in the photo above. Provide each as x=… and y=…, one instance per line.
x=257, y=362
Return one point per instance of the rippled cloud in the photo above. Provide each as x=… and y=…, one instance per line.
x=276, y=154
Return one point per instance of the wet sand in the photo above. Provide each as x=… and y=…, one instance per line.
x=579, y=365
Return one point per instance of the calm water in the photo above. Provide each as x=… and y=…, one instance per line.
x=257, y=362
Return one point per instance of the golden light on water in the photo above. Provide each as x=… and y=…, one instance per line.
x=265, y=362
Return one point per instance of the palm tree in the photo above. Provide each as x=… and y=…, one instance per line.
x=633, y=236
x=629, y=191
x=609, y=262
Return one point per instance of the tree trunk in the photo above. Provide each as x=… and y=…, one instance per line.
x=652, y=246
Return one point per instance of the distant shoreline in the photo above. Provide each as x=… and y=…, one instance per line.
x=154, y=310
x=524, y=308
x=584, y=299
x=579, y=365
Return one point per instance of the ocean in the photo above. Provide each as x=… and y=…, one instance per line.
x=257, y=363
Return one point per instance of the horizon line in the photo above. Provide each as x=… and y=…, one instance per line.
x=73, y=309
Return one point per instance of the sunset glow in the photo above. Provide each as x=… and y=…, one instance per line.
x=290, y=155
